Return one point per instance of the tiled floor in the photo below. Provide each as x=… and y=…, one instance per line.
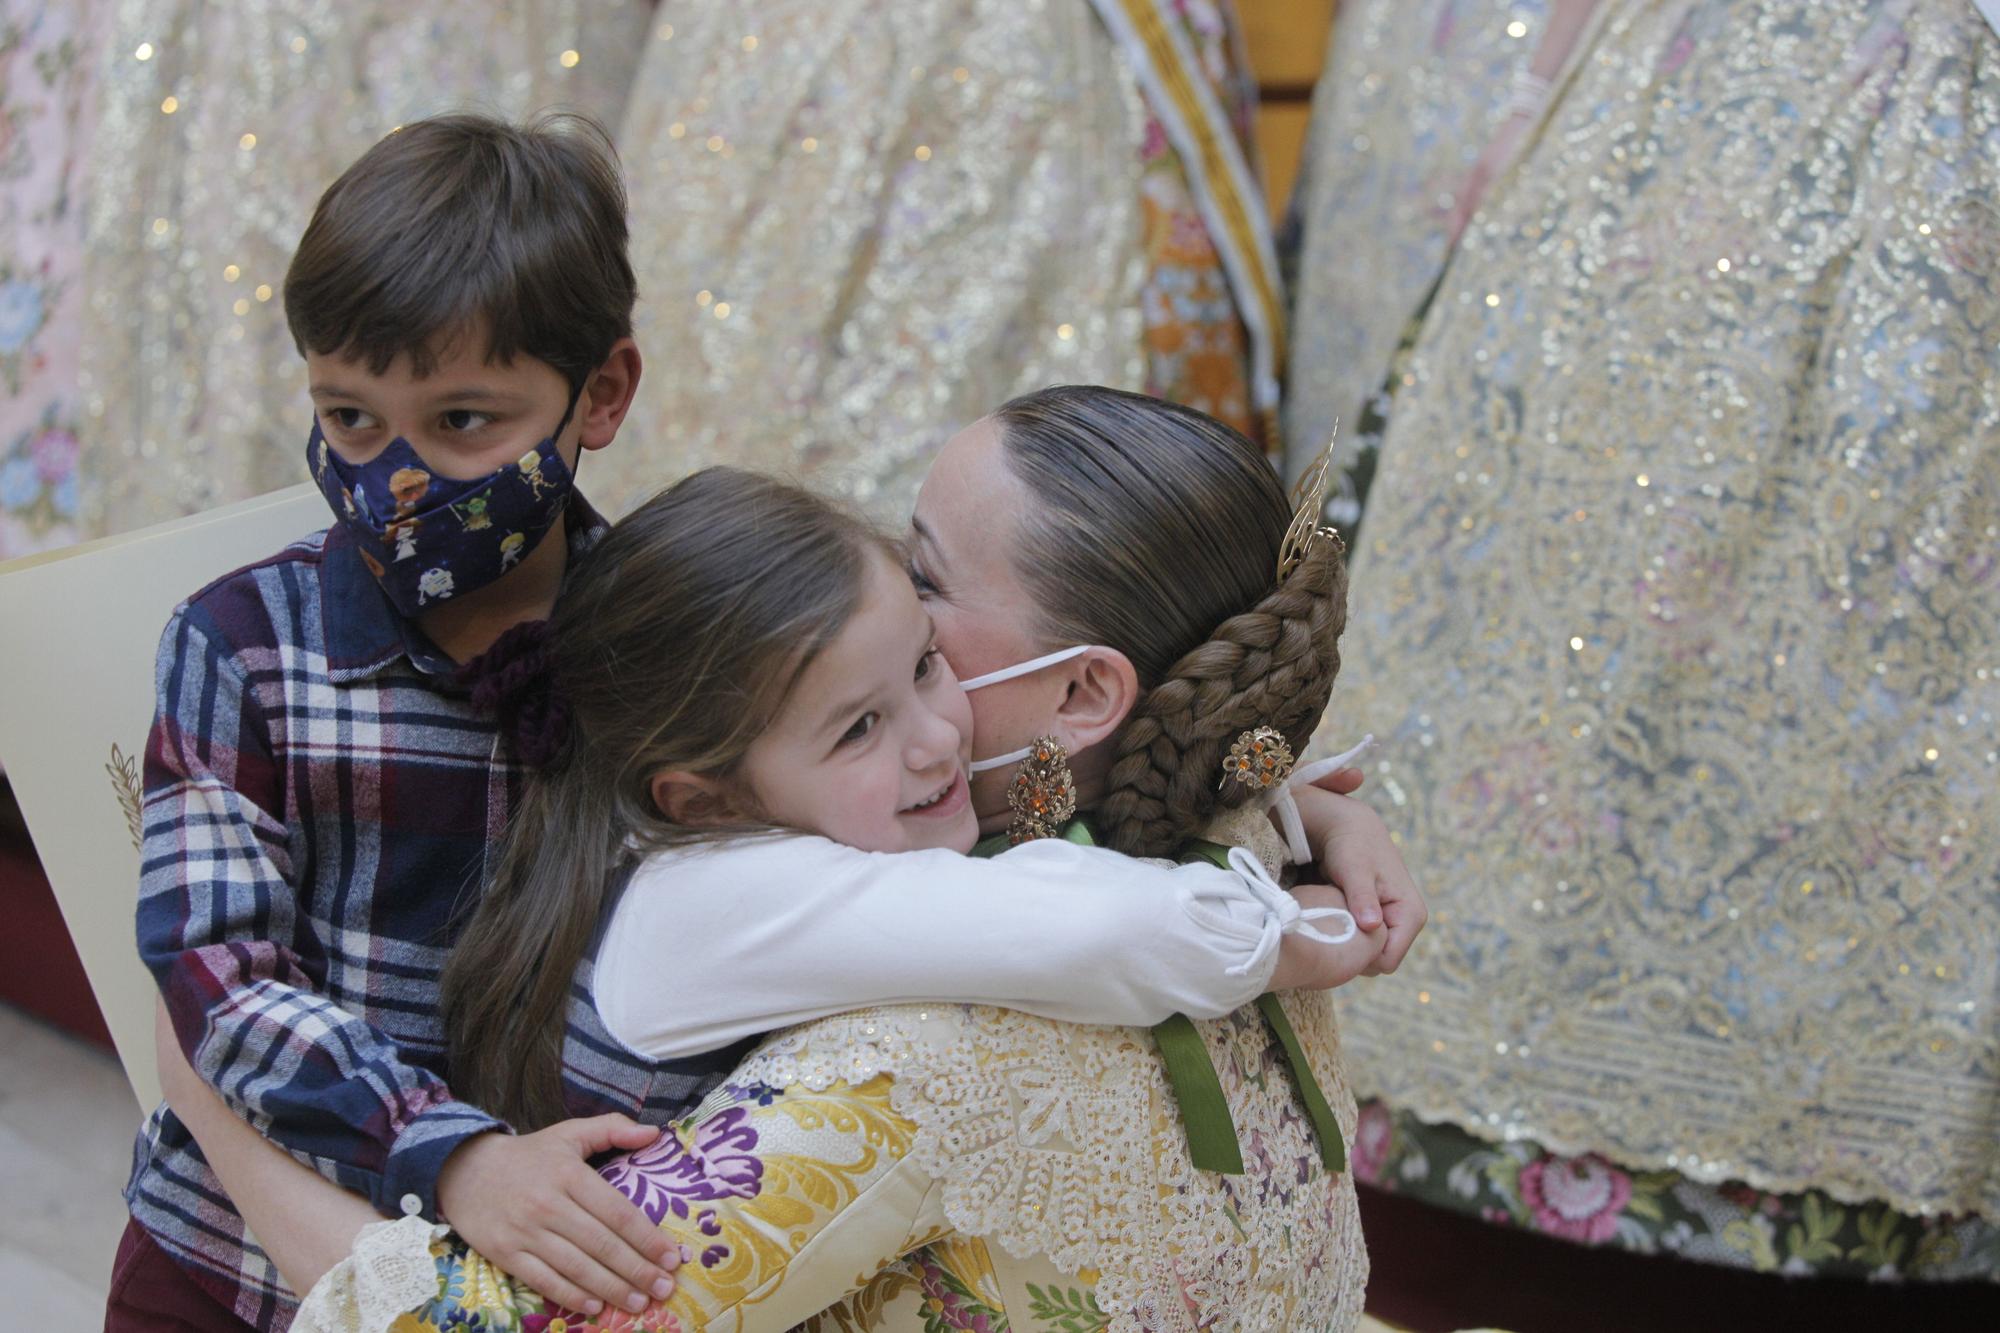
x=67, y=1118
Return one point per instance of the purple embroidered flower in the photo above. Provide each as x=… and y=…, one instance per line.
x=1577, y=1198
x=718, y=1164
x=54, y=451
x=763, y=1094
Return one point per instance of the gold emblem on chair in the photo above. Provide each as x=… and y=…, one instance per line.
x=124, y=771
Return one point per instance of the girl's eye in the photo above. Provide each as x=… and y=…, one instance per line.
x=464, y=419
x=862, y=726
x=927, y=664
x=348, y=418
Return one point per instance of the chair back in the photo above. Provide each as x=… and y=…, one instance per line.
x=79, y=629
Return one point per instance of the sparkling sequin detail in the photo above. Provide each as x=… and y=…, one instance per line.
x=1677, y=586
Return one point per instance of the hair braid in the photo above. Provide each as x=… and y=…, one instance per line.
x=1272, y=665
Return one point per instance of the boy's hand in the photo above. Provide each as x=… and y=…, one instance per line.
x=532, y=1205
x=1357, y=854
x=1308, y=964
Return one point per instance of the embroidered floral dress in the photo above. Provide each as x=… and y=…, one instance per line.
x=1675, y=591
x=858, y=226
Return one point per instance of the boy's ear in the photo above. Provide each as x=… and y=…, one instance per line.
x=693, y=801
x=607, y=395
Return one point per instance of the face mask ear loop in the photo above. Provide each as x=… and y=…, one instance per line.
x=1023, y=669
x=575, y=397
x=999, y=761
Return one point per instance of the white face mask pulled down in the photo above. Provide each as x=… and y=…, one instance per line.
x=1009, y=673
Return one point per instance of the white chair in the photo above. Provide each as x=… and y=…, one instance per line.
x=78, y=632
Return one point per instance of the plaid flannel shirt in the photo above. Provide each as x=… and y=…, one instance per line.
x=320, y=798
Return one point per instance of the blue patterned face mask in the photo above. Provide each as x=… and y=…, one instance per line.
x=427, y=538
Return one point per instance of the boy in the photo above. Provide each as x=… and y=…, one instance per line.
x=320, y=789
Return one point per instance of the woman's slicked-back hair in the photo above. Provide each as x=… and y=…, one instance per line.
x=462, y=223
x=1155, y=530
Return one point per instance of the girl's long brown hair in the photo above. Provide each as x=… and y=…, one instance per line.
x=1155, y=530
x=674, y=644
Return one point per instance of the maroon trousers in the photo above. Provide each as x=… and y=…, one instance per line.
x=150, y=1293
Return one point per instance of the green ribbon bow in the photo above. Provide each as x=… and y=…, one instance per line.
x=1211, y=1132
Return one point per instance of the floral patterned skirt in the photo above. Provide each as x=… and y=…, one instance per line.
x=1593, y=1201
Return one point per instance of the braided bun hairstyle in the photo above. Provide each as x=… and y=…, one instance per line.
x=1155, y=530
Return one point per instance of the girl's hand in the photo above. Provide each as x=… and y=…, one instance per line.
x=531, y=1204
x=1359, y=857
x=1308, y=964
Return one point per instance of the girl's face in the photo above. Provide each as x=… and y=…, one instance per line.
x=871, y=747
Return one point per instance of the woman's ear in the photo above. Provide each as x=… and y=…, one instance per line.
x=693, y=801
x=1103, y=690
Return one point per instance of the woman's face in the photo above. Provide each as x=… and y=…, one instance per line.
x=962, y=543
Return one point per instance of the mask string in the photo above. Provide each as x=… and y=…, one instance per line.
x=1022, y=669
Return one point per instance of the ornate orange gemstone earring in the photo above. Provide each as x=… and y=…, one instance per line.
x=1043, y=797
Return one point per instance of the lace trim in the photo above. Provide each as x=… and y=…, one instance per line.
x=1060, y=1141
x=391, y=1270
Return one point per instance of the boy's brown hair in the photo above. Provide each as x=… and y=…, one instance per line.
x=463, y=222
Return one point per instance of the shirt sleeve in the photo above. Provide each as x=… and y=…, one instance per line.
x=710, y=945
x=242, y=974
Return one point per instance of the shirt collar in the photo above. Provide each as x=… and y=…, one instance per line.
x=362, y=629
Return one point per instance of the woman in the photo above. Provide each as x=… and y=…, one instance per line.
x=1675, y=588
x=1064, y=490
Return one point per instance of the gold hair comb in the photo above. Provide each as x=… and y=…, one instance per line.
x=1308, y=502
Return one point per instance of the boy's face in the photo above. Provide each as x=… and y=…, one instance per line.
x=466, y=419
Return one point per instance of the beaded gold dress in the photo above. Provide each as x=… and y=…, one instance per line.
x=1676, y=597
x=858, y=226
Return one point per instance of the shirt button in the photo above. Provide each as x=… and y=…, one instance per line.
x=412, y=1206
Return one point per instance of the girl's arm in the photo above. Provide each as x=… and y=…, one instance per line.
x=304, y=1222
x=787, y=929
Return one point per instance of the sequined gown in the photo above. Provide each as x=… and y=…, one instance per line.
x=217, y=127
x=859, y=225
x=1676, y=600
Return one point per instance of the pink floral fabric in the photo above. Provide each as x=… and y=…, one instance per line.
x=47, y=63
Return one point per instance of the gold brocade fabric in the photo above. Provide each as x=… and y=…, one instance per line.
x=1058, y=1145
x=219, y=124
x=1678, y=604
x=860, y=226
